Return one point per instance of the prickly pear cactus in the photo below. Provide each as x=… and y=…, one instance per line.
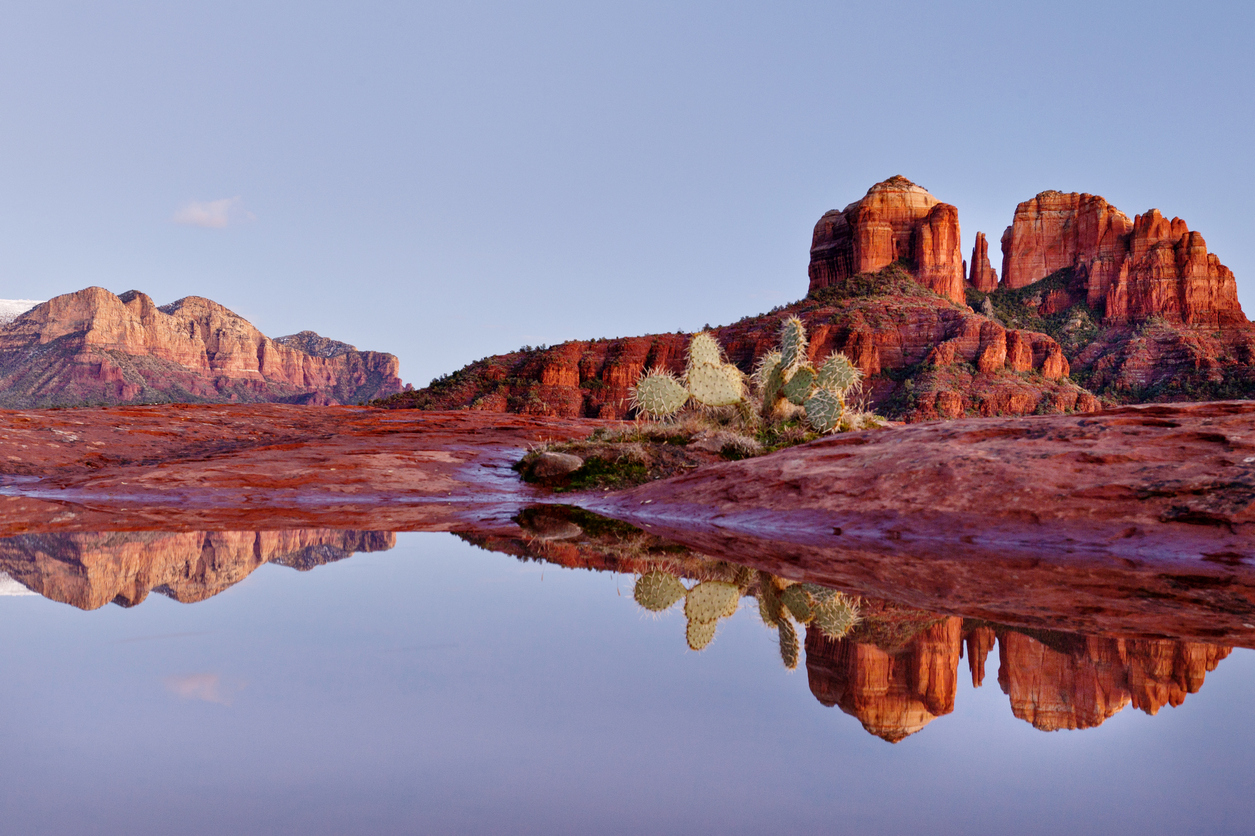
x=704, y=350
x=699, y=634
x=824, y=410
x=657, y=591
x=798, y=601
x=769, y=363
x=798, y=387
x=792, y=342
x=658, y=394
x=788, y=644
x=836, y=616
x=713, y=386
x=711, y=600
x=770, y=610
x=838, y=374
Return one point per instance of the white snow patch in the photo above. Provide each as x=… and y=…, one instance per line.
x=8, y=586
x=11, y=309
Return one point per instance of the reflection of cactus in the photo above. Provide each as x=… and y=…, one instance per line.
x=798, y=601
x=658, y=394
x=780, y=604
x=711, y=600
x=788, y=644
x=836, y=616
x=657, y=591
x=700, y=633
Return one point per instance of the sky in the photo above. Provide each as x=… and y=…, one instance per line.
x=445, y=181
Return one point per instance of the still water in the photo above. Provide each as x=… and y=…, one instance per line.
x=427, y=685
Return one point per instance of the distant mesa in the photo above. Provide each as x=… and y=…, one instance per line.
x=90, y=570
x=92, y=347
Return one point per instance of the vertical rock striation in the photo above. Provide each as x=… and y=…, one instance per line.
x=1128, y=270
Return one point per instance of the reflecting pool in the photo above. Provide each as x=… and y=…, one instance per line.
x=334, y=681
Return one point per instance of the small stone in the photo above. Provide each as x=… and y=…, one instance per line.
x=549, y=466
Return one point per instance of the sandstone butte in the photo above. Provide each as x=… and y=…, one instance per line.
x=1143, y=310
x=94, y=347
x=895, y=221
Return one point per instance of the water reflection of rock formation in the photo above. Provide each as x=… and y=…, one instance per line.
x=898, y=671
x=89, y=570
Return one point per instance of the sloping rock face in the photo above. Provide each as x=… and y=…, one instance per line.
x=895, y=221
x=95, y=347
x=1129, y=270
x=983, y=276
x=925, y=358
x=88, y=570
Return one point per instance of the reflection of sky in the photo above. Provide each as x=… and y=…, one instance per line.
x=438, y=688
x=8, y=586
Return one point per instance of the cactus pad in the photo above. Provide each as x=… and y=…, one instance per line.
x=704, y=350
x=712, y=386
x=798, y=601
x=766, y=365
x=657, y=393
x=699, y=634
x=788, y=644
x=798, y=387
x=839, y=374
x=824, y=410
x=770, y=609
x=792, y=342
x=836, y=616
x=657, y=591
x=711, y=600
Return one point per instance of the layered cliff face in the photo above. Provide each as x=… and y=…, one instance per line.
x=895, y=221
x=95, y=347
x=1128, y=270
x=1142, y=309
x=924, y=358
x=90, y=570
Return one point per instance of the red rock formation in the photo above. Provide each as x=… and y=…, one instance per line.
x=892, y=694
x=93, y=346
x=983, y=276
x=895, y=220
x=90, y=570
x=1131, y=270
x=1081, y=684
x=879, y=333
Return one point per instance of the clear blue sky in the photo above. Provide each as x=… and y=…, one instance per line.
x=450, y=180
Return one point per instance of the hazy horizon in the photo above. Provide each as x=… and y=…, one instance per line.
x=447, y=183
